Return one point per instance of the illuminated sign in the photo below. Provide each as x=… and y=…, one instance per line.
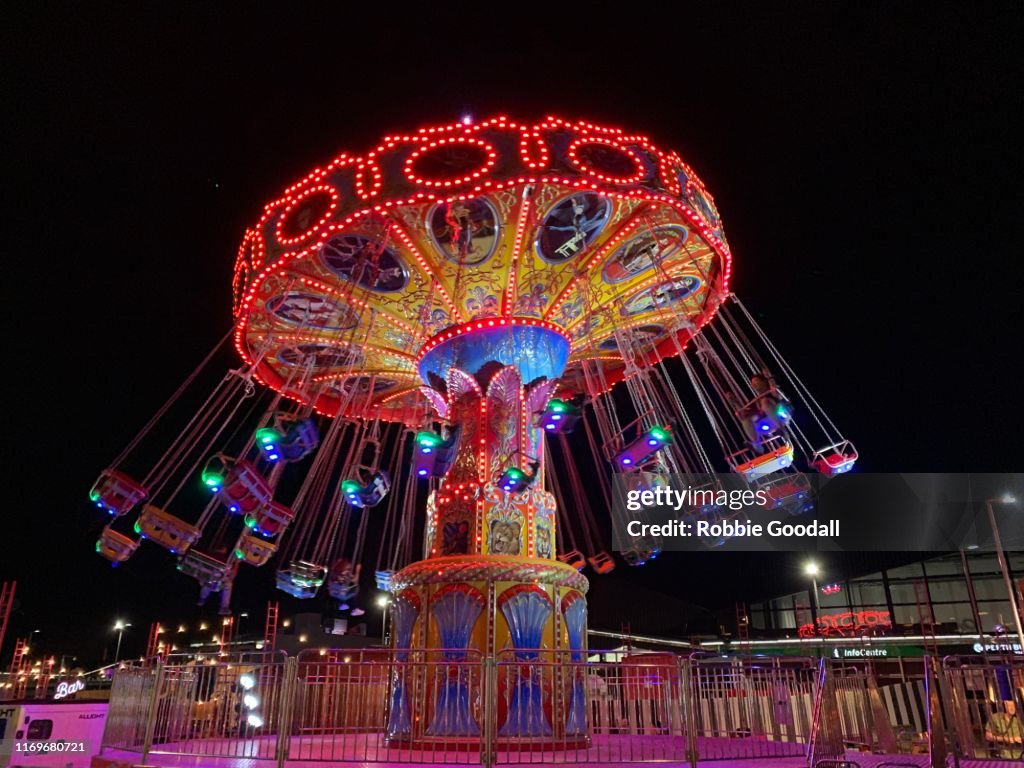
x=996, y=647
x=66, y=689
x=860, y=653
x=847, y=624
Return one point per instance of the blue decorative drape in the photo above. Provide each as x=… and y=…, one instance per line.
x=575, y=614
x=403, y=616
x=527, y=613
x=455, y=612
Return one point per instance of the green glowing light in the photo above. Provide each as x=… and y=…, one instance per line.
x=350, y=486
x=558, y=406
x=428, y=439
x=137, y=527
x=94, y=495
x=660, y=433
x=267, y=435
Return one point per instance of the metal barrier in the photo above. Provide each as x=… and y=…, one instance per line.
x=458, y=707
x=984, y=706
x=749, y=708
x=591, y=713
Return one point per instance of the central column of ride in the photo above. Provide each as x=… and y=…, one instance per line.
x=490, y=585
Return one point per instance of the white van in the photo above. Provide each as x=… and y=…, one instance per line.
x=50, y=734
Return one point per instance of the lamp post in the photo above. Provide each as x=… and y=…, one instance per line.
x=811, y=569
x=383, y=602
x=1001, y=557
x=120, y=626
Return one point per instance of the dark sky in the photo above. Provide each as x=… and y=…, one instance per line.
x=866, y=164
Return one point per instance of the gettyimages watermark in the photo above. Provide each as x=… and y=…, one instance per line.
x=810, y=512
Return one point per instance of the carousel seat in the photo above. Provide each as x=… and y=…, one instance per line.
x=212, y=575
x=637, y=556
x=383, y=580
x=835, y=459
x=270, y=521
x=116, y=493
x=643, y=448
x=116, y=547
x=777, y=458
x=290, y=439
x=434, y=454
x=574, y=558
x=245, y=490
x=254, y=550
x=602, y=563
x=301, y=579
x=215, y=471
x=167, y=530
x=559, y=416
x=343, y=580
x=369, y=495
x=515, y=480
x=790, y=491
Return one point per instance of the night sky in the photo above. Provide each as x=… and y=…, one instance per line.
x=867, y=167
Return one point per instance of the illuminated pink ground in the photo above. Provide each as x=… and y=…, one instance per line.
x=615, y=752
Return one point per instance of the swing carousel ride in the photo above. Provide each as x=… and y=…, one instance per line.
x=496, y=317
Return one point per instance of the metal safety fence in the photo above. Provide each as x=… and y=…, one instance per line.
x=549, y=707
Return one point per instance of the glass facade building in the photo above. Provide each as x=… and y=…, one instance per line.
x=951, y=594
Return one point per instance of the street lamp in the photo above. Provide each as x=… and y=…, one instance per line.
x=812, y=570
x=383, y=601
x=120, y=626
x=1007, y=498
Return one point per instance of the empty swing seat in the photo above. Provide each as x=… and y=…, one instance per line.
x=116, y=493
x=640, y=555
x=301, y=579
x=792, y=491
x=643, y=448
x=167, y=530
x=245, y=489
x=383, y=580
x=602, y=563
x=271, y=520
x=369, y=495
x=774, y=460
x=116, y=547
x=835, y=459
x=254, y=550
x=574, y=558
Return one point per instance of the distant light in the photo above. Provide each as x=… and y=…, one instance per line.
x=254, y=720
x=1009, y=498
x=467, y=120
x=383, y=600
x=626, y=460
x=251, y=701
x=811, y=568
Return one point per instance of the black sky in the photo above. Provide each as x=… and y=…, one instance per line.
x=866, y=164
